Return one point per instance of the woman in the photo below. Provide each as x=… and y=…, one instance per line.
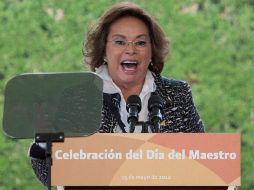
x=130, y=59
x=127, y=50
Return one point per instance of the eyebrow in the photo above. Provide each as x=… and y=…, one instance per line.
x=122, y=36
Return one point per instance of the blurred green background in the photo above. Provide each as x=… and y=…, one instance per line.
x=212, y=47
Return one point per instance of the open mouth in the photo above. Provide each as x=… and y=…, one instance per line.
x=129, y=66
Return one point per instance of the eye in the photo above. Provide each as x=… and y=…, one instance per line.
x=120, y=42
x=140, y=43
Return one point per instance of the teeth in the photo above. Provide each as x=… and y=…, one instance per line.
x=129, y=62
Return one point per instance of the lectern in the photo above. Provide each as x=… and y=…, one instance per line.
x=51, y=107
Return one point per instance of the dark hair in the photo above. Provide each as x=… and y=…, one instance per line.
x=94, y=48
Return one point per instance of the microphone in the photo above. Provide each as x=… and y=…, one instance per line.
x=133, y=107
x=154, y=108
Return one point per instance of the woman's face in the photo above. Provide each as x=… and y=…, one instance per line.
x=128, y=51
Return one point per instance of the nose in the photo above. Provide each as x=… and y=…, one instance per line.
x=130, y=48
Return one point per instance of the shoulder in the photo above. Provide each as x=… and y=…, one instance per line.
x=172, y=85
x=173, y=92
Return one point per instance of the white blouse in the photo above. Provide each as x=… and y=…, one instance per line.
x=110, y=87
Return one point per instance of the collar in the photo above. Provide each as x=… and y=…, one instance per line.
x=110, y=87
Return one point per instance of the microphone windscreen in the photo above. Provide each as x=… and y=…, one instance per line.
x=154, y=100
x=133, y=100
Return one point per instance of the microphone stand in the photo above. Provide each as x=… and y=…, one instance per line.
x=156, y=126
x=49, y=138
x=145, y=124
x=132, y=127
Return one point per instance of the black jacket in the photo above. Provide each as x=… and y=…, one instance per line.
x=178, y=113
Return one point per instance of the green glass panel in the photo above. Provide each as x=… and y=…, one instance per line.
x=53, y=102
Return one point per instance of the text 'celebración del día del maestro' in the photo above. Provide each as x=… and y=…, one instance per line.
x=111, y=154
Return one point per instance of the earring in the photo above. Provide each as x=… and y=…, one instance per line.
x=105, y=60
x=152, y=67
x=151, y=63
